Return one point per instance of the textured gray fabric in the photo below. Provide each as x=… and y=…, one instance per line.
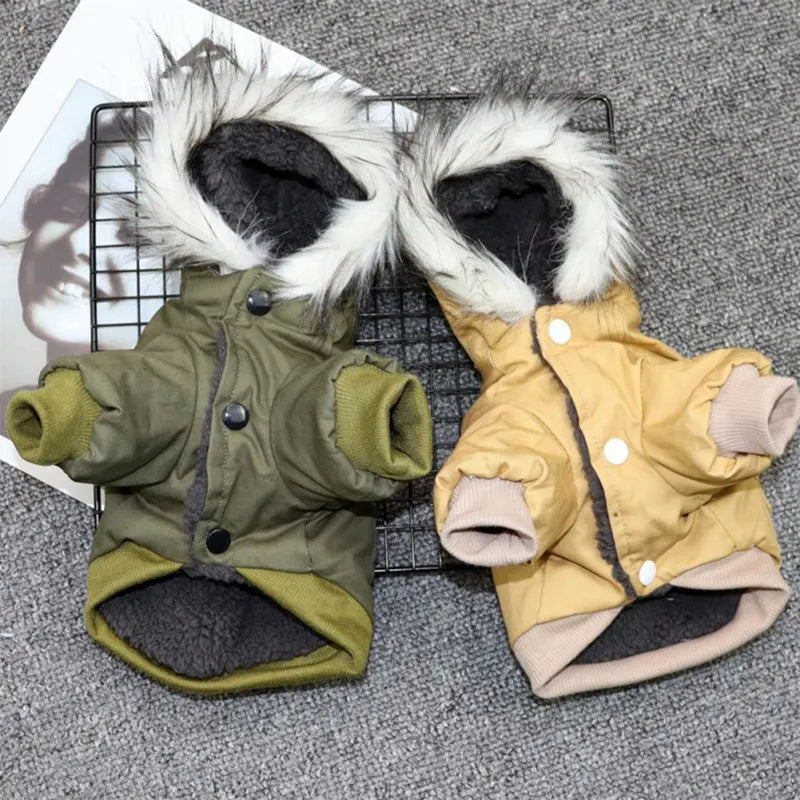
x=669, y=617
x=516, y=211
x=272, y=179
x=706, y=96
x=203, y=628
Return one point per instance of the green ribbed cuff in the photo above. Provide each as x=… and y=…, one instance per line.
x=52, y=424
x=383, y=422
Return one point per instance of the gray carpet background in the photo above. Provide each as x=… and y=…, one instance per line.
x=706, y=96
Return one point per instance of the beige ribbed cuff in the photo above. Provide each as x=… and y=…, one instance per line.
x=488, y=523
x=754, y=413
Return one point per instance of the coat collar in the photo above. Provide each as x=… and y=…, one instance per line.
x=216, y=296
x=497, y=347
x=613, y=317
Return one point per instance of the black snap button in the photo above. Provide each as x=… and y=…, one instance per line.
x=218, y=541
x=259, y=302
x=235, y=416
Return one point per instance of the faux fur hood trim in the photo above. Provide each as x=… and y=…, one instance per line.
x=596, y=246
x=173, y=217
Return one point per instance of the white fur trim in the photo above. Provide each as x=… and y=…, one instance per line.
x=597, y=245
x=182, y=226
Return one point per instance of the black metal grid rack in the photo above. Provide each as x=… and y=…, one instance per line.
x=401, y=317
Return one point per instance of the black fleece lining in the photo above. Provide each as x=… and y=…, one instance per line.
x=515, y=211
x=204, y=628
x=651, y=623
x=272, y=180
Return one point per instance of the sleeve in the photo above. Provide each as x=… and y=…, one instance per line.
x=754, y=413
x=117, y=418
x=352, y=428
x=717, y=419
x=507, y=492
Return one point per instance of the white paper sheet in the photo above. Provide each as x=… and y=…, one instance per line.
x=102, y=54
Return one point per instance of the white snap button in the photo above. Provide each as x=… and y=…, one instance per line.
x=616, y=451
x=559, y=331
x=647, y=573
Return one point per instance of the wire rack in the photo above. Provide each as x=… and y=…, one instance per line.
x=400, y=319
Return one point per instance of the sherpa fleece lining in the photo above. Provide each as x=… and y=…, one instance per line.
x=203, y=627
x=515, y=211
x=668, y=616
x=272, y=180
x=548, y=652
x=336, y=617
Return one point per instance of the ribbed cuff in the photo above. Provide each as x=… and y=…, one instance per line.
x=52, y=424
x=754, y=413
x=489, y=524
x=383, y=422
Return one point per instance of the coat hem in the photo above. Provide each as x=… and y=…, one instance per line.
x=319, y=603
x=546, y=651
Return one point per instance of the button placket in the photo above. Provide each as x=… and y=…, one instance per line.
x=616, y=452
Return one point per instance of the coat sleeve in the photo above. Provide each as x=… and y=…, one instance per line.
x=116, y=418
x=507, y=492
x=352, y=428
x=717, y=419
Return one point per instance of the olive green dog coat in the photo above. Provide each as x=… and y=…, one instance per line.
x=243, y=442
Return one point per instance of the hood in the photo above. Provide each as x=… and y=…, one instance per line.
x=507, y=208
x=238, y=169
